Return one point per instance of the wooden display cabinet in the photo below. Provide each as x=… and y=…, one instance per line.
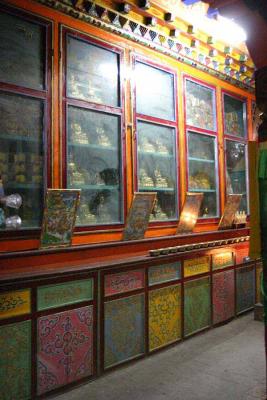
x=113, y=114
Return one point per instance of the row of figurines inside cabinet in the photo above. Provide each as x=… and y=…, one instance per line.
x=77, y=175
x=22, y=167
x=80, y=135
x=100, y=212
x=88, y=91
x=153, y=145
x=200, y=180
x=155, y=178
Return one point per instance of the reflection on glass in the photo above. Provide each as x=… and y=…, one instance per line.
x=92, y=73
x=200, y=106
x=21, y=52
x=154, y=92
x=202, y=171
x=236, y=178
x=157, y=167
x=234, y=116
x=94, y=165
x=21, y=154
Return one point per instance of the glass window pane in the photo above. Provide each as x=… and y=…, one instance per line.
x=200, y=106
x=21, y=52
x=94, y=165
x=234, y=116
x=157, y=167
x=154, y=92
x=202, y=171
x=21, y=154
x=236, y=175
x=92, y=73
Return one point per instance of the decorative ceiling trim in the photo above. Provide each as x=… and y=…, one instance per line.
x=120, y=24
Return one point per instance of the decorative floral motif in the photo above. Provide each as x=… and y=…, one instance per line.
x=245, y=289
x=65, y=348
x=223, y=296
x=196, y=305
x=114, y=22
x=164, y=316
x=15, y=361
x=124, y=329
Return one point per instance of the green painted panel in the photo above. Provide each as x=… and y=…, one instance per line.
x=62, y=294
x=164, y=316
x=15, y=361
x=196, y=305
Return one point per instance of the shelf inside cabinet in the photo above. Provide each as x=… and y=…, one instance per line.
x=202, y=190
x=19, y=138
x=201, y=160
x=156, y=154
x=14, y=185
x=156, y=188
x=94, y=187
x=92, y=146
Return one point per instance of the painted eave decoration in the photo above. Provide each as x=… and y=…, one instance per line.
x=170, y=27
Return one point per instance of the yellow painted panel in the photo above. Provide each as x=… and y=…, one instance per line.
x=196, y=266
x=15, y=303
x=222, y=260
x=164, y=316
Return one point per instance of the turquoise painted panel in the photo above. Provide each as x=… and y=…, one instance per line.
x=196, y=305
x=124, y=329
x=164, y=273
x=245, y=288
x=15, y=361
x=62, y=294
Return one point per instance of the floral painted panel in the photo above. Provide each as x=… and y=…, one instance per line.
x=124, y=282
x=124, y=329
x=15, y=361
x=50, y=296
x=245, y=288
x=164, y=273
x=223, y=296
x=196, y=305
x=259, y=298
x=164, y=316
x=14, y=303
x=65, y=348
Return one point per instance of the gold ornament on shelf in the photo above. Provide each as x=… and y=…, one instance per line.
x=102, y=138
x=160, y=181
x=144, y=179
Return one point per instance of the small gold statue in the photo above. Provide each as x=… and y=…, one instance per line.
x=102, y=138
x=160, y=180
x=161, y=147
x=144, y=179
x=146, y=146
x=78, y=135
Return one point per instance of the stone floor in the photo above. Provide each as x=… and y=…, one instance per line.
x=226, y=363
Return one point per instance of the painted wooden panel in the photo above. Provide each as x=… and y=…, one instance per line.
x=223, y=296
x=196, y=305
x=241, y=254
x=164, y=273
x=51, y=296
x=164, y=316
x=245, y=288
x=259, y=298
x=15, y=303
x=124, y=329
x=124, y=282
x=222, y=260
x=15, y=361
x=65, y=348
x=196, y=266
